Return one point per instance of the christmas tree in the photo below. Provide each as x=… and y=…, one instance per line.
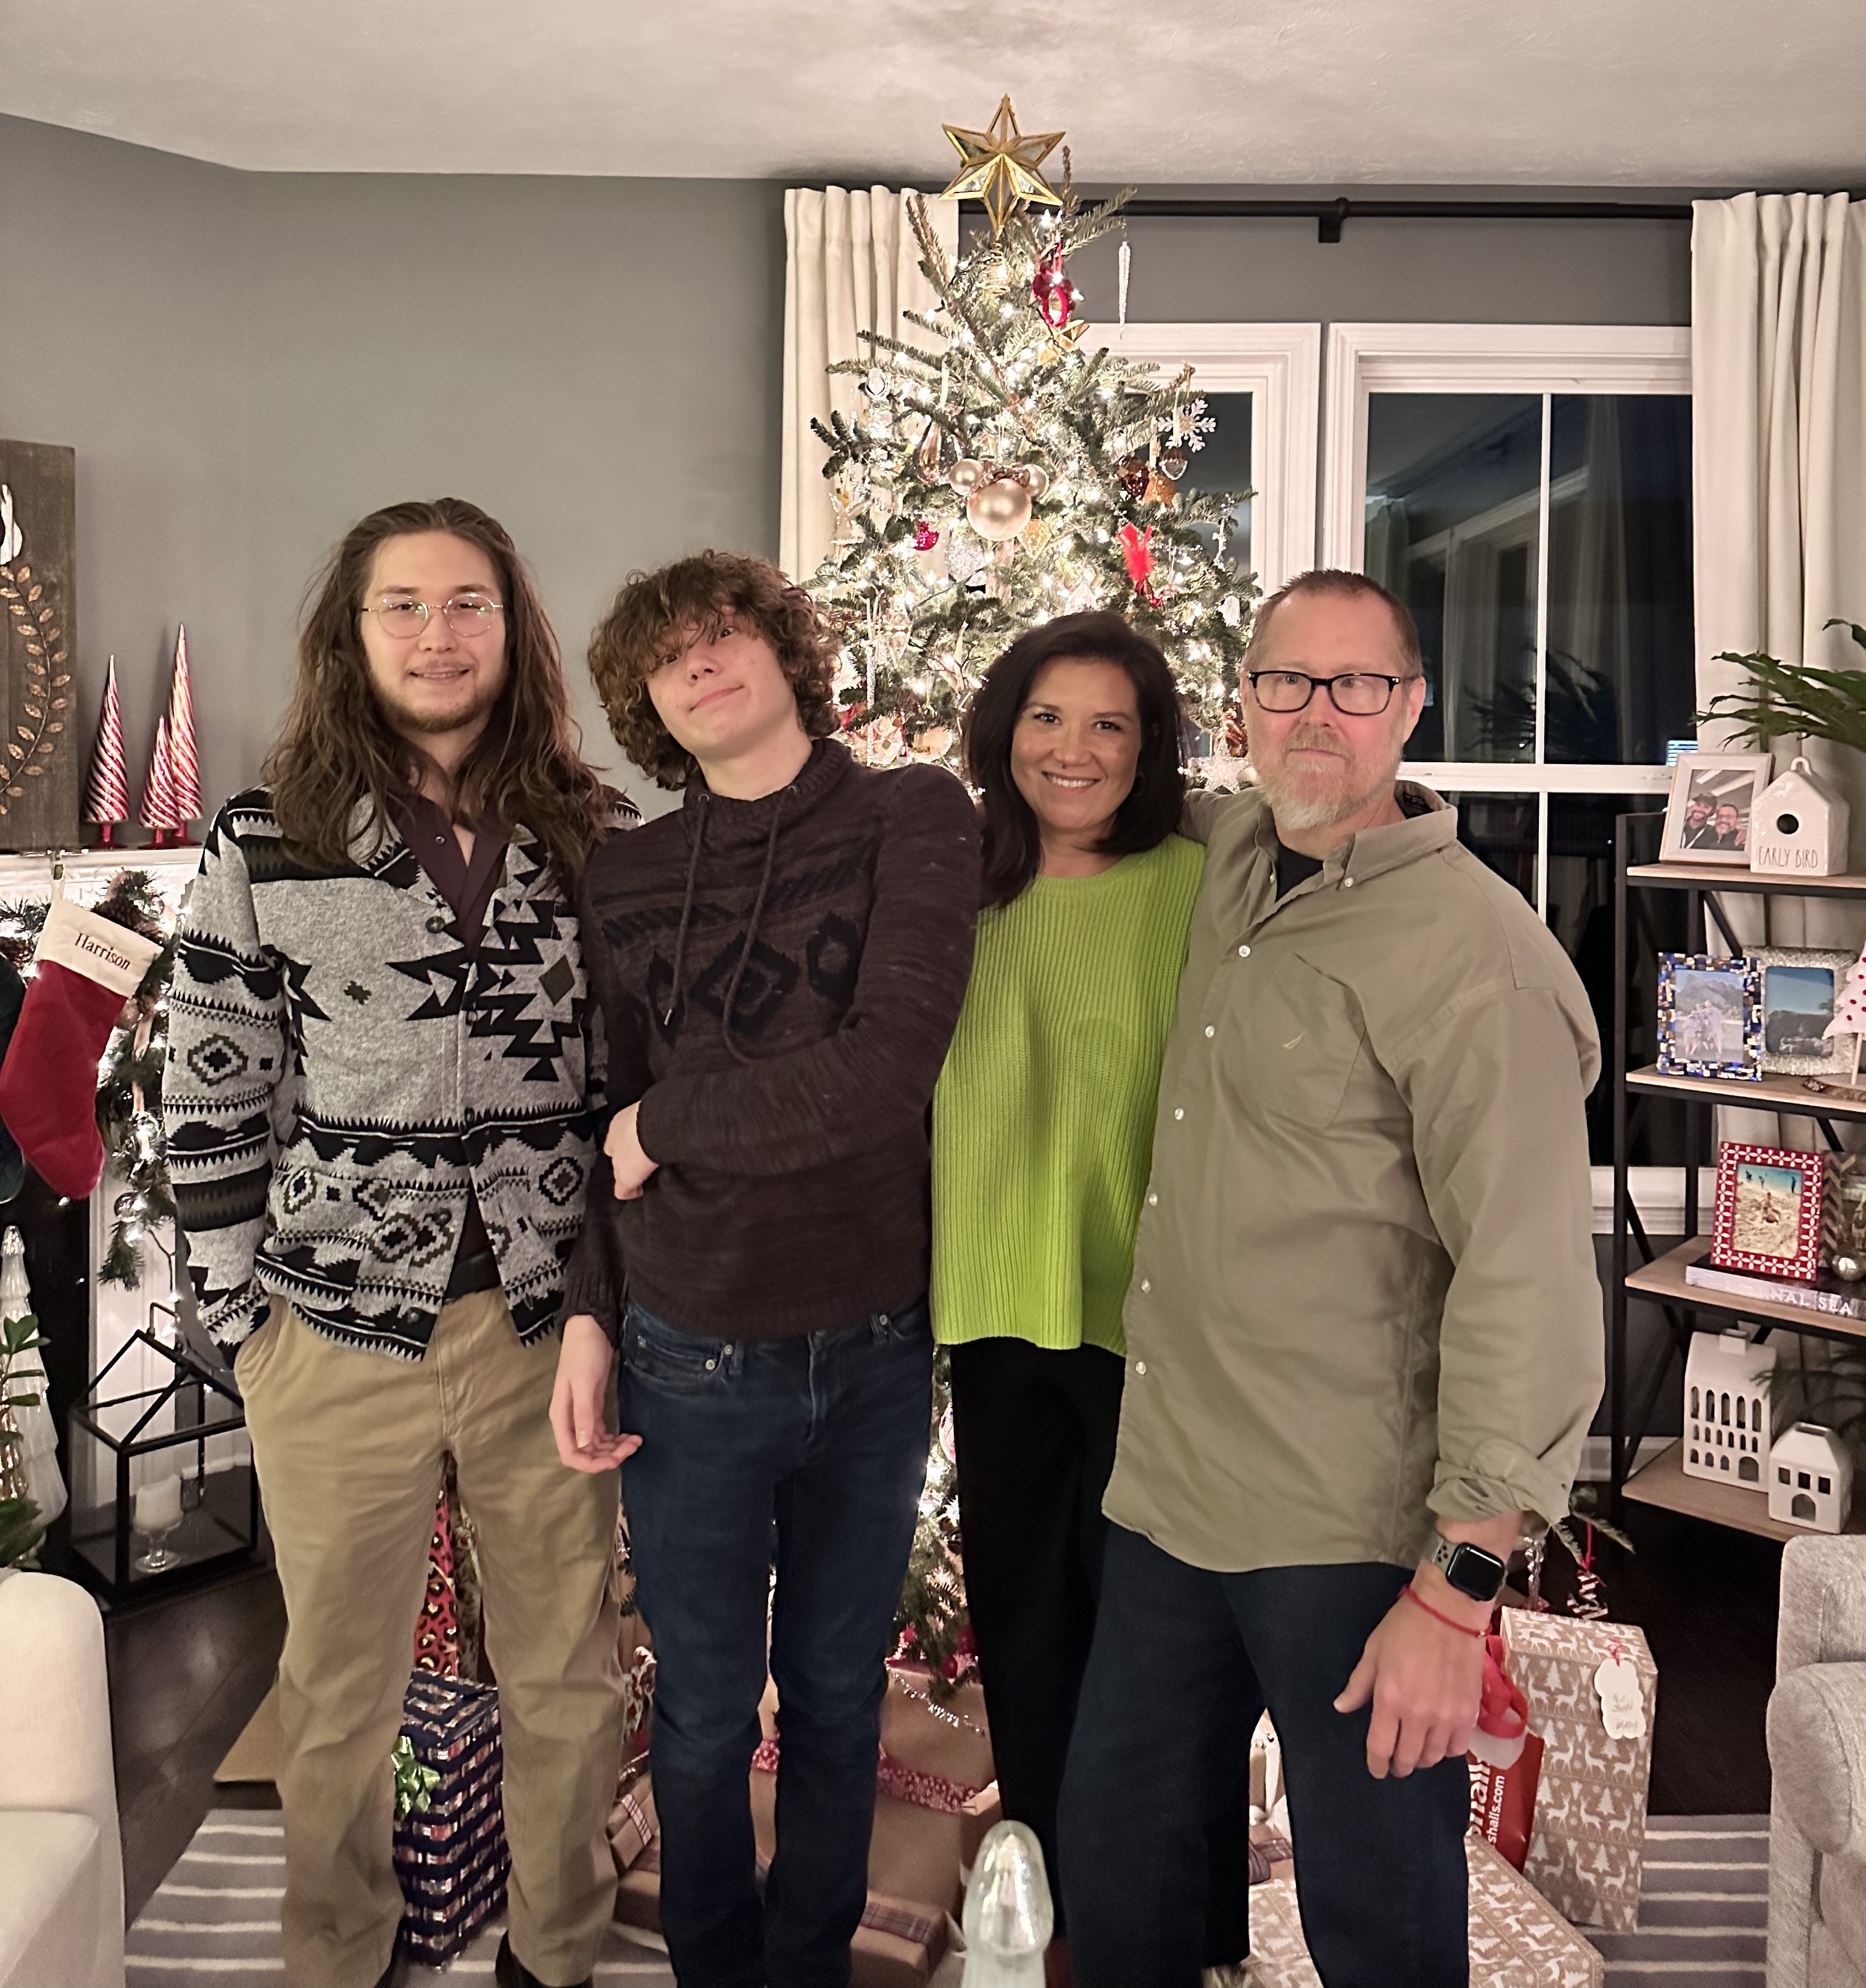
x=1849, y=1012
x=1006, y=469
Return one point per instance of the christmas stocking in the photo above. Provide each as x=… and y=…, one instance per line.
x=84, y=970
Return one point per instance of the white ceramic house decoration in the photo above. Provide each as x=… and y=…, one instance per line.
x=1727, y=1421
x=1811, y=1478
x=1798, y=826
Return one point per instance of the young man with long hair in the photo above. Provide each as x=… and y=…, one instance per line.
x=780, y=964
x=379, y=1108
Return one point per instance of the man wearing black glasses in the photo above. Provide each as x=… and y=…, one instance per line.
x=1364, y=1335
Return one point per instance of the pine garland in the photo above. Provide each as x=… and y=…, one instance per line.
x=931, y=1621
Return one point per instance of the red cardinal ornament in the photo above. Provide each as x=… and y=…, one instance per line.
x=1051, y=290
x=1137, y=550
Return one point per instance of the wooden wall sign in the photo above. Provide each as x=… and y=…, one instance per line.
x=38, y=757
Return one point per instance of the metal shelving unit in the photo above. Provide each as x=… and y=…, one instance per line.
x=1660, y=1278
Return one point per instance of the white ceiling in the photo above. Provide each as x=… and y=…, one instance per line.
x=1570, y=92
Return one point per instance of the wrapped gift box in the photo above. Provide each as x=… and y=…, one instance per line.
x=631, y=1825
x=1587, y=1840
x=1517, y=1940
x=451, y=1856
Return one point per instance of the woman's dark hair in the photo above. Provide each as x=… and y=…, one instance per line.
x=1151, y=812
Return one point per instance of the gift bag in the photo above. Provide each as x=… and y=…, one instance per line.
x=1592, y=1689
x=1504, y=1762
x=450, y=1828
x=1516, y=1939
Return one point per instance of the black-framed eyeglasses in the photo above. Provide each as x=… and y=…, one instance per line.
x=1355, y=693
x=465, y=614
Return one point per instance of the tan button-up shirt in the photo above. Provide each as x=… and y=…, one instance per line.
x=1364, y=1288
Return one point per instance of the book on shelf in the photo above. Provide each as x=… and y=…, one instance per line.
x=1827, y=1294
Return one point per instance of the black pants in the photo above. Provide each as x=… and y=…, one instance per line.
x=1184, y=1662
x=1034, y=1433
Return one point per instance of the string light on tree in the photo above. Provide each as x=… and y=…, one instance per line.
x=1000, y=469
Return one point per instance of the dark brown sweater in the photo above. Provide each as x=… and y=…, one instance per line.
x=834, y=917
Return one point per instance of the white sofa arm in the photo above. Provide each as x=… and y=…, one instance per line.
x=1823, y=1618
x=57, y=1755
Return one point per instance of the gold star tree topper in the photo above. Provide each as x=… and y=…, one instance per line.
x=1001, y=166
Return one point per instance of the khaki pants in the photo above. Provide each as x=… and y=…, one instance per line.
x=348, y=1446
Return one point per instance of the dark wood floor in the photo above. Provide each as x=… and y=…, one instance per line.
x=188, y=1673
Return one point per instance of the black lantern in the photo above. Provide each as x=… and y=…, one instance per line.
x=138, y=1528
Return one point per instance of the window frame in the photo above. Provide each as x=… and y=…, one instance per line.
x=1279, y=366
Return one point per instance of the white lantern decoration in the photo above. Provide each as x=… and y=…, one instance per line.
x=1811, y=1478
x=1727, y=1421
x=1798, y=826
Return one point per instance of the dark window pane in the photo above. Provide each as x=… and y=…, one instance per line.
x=1580, y=914
x=1500, y=830
x=1620, y=670
x=1453, y=516
x=1224, y=464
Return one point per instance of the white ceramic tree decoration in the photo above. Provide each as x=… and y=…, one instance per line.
x=1798, y=825
x=1727, y=1421
x=1849, y=1011
x=1811, y=1478
x=1008, y=1917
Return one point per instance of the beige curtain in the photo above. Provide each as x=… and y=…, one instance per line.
x=1778, y=336
x=851, y=265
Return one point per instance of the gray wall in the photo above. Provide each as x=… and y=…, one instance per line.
x=247, y=363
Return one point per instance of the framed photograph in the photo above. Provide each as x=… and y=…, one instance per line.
x=1769, y=1210
x=1707, y=820
x=1843, y=1221
x=1710, y=1016
x=1799, y=988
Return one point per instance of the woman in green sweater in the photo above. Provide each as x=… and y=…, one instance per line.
x=1042, y=1136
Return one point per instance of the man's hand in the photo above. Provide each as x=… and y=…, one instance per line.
x=1425, y=1682
x=623, y=1145
x=583, y=1441
x=1426, y=1679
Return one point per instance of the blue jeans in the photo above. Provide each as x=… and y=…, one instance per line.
x=812, y=1451
x=1183, y=1662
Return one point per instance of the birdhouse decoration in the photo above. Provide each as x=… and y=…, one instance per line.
x=1727, y=1421
x=1798, y=826
x=1811, y=1478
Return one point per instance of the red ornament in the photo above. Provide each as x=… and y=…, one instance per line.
x=925, y=537
x=106, y=794
x=1051, y=289
x=1137, y=550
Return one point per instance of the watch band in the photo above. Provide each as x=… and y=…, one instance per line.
x=1470, y=1570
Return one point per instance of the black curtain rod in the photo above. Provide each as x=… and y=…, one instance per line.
x=1330, y=215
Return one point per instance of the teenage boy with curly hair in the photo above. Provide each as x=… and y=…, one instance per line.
x=780, y=964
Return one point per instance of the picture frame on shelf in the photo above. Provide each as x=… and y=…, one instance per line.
x=1800, y=985
x=1707, y=818
x=1768, y=1217
x=1843, y=1218
x=1710, y=1016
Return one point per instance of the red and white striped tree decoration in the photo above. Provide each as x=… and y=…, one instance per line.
x=158, y=813
x=106, y=793
x=183, y=763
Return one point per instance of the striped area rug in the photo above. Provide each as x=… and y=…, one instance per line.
x=215, y=1920
x=1703, y=1906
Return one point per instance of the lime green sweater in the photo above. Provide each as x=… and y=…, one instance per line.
x=1043, y=1119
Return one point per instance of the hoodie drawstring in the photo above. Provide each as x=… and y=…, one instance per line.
x=679, y=944
x=744, y=952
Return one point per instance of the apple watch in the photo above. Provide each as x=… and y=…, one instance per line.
x=1468, y=1569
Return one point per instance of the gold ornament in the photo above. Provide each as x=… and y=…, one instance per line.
x=964, y=474
x=1000, y=509
x=1001, y=167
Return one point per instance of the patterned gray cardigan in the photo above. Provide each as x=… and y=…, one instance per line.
x=340, y=1067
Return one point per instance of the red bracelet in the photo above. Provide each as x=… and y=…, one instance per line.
x=1437, y=1615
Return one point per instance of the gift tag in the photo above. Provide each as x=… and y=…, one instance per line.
x=1623, y=1710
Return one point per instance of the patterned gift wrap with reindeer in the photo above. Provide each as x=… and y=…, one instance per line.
x=450, y=1844
x=1592, y=1689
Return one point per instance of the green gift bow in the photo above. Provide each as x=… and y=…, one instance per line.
x=414, y=1783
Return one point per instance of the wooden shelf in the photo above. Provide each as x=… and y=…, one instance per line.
x=1773, y=1093
x=1663, y=1482
x=1664, y=1278
x=1733, y=876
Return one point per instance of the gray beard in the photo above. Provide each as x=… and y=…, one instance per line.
x=1302, y=813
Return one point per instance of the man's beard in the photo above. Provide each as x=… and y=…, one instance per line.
x=411, y=721
x=1296, y=807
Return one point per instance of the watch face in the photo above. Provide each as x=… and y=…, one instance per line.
x=1474, y=1572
